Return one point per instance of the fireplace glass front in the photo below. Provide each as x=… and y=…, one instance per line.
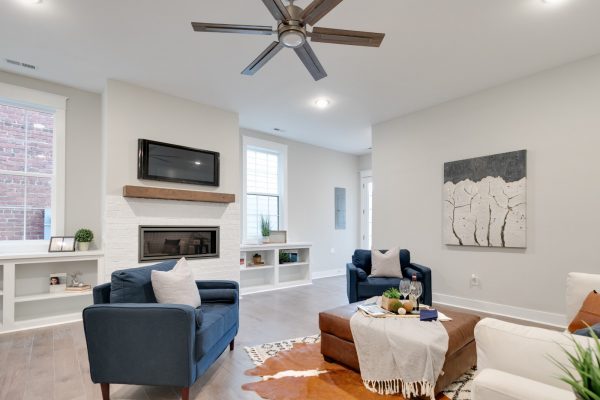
x=174, y=242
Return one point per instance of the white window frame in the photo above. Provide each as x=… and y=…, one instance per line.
x=281, y=150
x=56, y=104
x=365, y=177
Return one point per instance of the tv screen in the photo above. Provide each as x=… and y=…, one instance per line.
x=173, y=163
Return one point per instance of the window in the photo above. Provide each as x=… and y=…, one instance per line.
x=264, y=186
x=29, y=152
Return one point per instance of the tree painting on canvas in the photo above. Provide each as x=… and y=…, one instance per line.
x=485, y=201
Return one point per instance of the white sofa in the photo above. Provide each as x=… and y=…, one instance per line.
x=514, y=360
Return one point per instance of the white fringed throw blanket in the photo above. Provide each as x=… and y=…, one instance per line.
x=399, y=355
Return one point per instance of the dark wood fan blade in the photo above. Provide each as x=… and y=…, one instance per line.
x=341, y=36
x=263, y=58
x=310, y=61
x=277, y=9
x=229, y=28
x=317, y=10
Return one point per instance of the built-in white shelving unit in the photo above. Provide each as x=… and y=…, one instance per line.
x=25, y=298
x=273, y=275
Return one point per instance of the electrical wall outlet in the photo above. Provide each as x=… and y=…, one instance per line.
x=332, y=250
x=475, y=281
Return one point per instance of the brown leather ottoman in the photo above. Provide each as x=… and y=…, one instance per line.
x=337, y=344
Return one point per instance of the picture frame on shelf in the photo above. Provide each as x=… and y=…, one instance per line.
x=57, y=282
x=61, y=244
x=278, y=237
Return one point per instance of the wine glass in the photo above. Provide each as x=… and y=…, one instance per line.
x=405, y=288
x=417, y=291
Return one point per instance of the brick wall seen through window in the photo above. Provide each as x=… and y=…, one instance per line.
x=26, y=172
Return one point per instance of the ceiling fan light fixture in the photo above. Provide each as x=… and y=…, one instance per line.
x=322, y=103
x=292, y=38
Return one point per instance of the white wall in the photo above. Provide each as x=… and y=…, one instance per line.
x=82, y=159
x=555, y=116
x=313, y=173
x=365, y=162
x=132, y=112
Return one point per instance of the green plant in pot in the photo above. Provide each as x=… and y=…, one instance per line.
x=390, y=300
x=83, y=237
x=265, y=229
x=284, y=257
x=585, y=381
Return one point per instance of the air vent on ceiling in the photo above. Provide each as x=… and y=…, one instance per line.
x=21, y=64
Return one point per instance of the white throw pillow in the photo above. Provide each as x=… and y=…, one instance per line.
x=386, y=265
x=176, y=286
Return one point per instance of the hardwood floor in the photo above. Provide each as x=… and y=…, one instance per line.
x=51, y=363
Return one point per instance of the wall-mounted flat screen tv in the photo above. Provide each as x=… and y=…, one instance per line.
x=169, y=162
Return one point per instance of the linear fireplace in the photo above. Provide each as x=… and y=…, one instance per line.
x=174, y=242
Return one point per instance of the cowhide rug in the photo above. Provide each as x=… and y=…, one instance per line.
x=295, y=370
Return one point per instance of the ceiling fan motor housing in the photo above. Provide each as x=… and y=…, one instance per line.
x=292, y=33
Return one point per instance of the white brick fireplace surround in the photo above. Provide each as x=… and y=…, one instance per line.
x=125, y=215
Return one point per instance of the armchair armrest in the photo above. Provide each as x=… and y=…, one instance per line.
x=424, y=276
x=102, y=294
x=141, y=344
x=218, y=291
x=353, y=276
x=218, y=285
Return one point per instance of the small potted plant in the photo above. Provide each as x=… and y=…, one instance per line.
x=391, y=299
x=585, y=361
x=284, y=257
x=265, y=229
x=257, y=259
x=83, y=237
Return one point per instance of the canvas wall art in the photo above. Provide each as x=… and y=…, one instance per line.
x=485, y=201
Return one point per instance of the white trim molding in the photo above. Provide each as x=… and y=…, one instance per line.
x=503, y=310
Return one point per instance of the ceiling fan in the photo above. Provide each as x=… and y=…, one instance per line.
x=292, y=32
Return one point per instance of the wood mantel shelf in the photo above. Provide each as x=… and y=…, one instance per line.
x=147, y=192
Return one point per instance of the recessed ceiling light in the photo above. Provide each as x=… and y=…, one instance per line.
x=31, y=1
x=552, y=1
x=198, y=162
x=322, y=103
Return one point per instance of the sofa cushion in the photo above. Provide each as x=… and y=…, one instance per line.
x=586, y=331
x=589, y=313
x=362, y=259
x=217, y=319
x=386, y=264
x=199, y=317
x=134, y=285
x=176, y=286
x=375, y=286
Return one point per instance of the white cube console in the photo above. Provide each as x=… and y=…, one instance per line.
x=25, y=297
x=271, y=274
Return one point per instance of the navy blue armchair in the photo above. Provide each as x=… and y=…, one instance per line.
x=361, y=286
x=133, y=340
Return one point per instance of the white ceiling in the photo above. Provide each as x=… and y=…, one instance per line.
x=434, y=50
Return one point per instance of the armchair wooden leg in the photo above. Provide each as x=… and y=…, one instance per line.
x=185, y=393
x=232, y=345
x=105, y=388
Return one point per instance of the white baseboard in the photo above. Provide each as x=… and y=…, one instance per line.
x=542, y=317
x=328, y=273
